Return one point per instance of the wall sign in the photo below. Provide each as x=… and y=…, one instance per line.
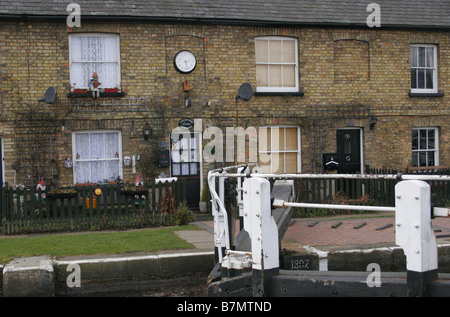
x=127, y=161
x=186, y=123
x=162, y=144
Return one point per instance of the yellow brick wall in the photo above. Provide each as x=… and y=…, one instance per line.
x=337, y=68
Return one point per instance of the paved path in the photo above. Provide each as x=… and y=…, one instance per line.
x=342, y=232
x=200, y=239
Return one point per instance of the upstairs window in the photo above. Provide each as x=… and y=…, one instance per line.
x=424, y=69
x=276, y=64
x=94, y=53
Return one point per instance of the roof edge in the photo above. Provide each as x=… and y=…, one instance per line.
x=214, y=21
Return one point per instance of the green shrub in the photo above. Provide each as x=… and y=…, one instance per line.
x=184, y=215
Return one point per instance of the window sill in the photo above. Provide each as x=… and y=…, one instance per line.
x=426, y=94
x=88, y=94
x=267, y=93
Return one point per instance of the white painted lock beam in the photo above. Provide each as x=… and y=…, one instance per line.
x=221, y=229
x=263, y=233
x=413, y=225
x=283, y=204
x=415, y=235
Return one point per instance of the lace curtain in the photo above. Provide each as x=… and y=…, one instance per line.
x=97, y=156
x=94, y=53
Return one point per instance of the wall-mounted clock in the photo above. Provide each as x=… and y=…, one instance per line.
x=184, y=61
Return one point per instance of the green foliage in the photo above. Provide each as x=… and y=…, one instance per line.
x=148, y=164
x=184, y=215
x=93, y=243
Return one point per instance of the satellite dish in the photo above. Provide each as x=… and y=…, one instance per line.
x=49, y=96
x=245, y=92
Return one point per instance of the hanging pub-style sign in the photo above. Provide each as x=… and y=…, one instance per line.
x=186, y=123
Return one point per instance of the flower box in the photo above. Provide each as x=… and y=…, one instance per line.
x=131, y=191
x=62, y=194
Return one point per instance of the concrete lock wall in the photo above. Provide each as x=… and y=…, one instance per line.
x=390, y=259
x=47, y=276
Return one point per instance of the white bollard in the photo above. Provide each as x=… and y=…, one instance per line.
x=263, y=231
x=414, y=234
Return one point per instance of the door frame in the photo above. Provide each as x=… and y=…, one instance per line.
x=361, y=138
x=200, y=157
x=2, y=161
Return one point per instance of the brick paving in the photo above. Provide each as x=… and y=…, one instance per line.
x=376, y=231
x=323, y=232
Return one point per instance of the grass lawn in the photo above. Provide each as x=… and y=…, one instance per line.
x=93, y=243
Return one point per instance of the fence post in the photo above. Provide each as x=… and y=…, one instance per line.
x=3, y=203
x=415, y=235
x=263, y=232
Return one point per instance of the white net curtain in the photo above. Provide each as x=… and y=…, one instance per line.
x=95, y=53
x=97, y=156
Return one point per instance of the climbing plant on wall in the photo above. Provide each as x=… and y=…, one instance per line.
x=36, y=146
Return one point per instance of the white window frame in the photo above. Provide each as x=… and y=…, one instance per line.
x=279, y=89
x=298, y=151
x=418, y=150
x=74, y=152
x=72, y=61
x=434, y=68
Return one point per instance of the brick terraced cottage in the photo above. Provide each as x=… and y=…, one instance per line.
x=323, y=82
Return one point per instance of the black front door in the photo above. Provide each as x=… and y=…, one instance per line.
x=185, y=164
x=349, y=151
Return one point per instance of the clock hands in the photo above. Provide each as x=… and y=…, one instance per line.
x=184, y=61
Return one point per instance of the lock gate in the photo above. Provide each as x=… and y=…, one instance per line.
x=249, y=264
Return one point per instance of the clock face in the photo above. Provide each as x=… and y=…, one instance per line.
x=185, y=61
